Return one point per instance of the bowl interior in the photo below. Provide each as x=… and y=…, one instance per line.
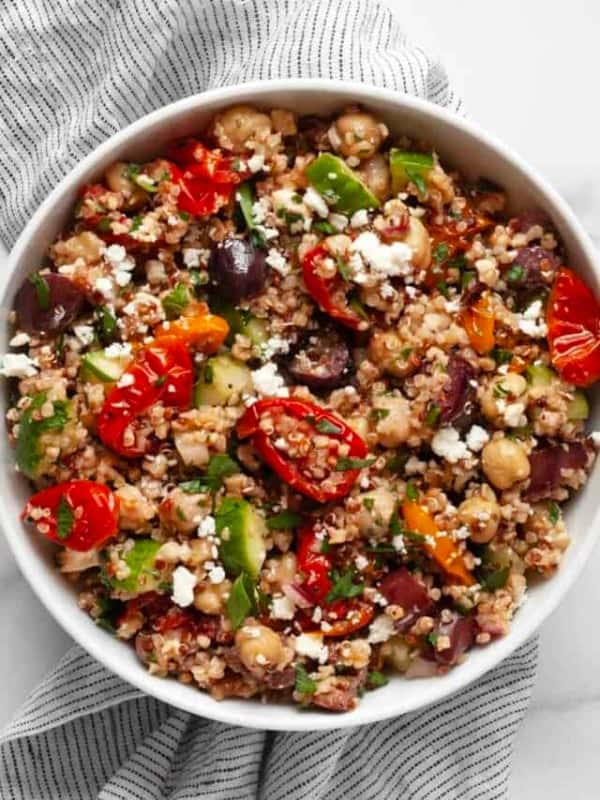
x=460, y=145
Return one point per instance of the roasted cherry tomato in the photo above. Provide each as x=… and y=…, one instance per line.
x=313, y=564
x=80, y=515
x=439, y=546
x=207, y=178
x=478, y=321
x=330, y=294
x=574, y=329
x=203, y=330
x=297, y=471
x=161, y=372
x=356, y=615
x=96, y=217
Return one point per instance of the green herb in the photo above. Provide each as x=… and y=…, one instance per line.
x=242, y=601
x=258, y=239
x=219, y=467
x=443, y=289
x=296, y=198
x=501, y=356
x=412, y=492
x=433, y=415
x=490, y=581
x=165, y=586
x=467, y=278
x=322, y=226
x=553, y=513
x=500, y=390
x=344, y=463
x=382, y=549
x=342, y=268
x=397, y=462
x=64, y=519
x=176, y=301
x=180, y=513
x=289, y=217
x=28, y=453
x=131, y=170
x=106, y=323
x=376, y=679
x=304, y=684
x=160, y=381
x=396, y=524
x=136, y=223
x=245, y=198
x=522, y=432
x=417, y=179
x=377, y=414
x=432, y=638
x=458, y=262
x=110, y=610
x=183, y=214
x=284, y=520
x=406, y=353
x=515, y=274
x=325, y=426
x=358, y=308
x=42, y=290
x=415, y=537
x=369, y=503
x=208, y=373
x=325, y=547
x=344, y=586
x=440, y=253
x=104, y=225
x=198, y=280
x=237, y=165
x=59, y=346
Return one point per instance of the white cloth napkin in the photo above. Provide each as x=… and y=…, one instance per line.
x=72, y=73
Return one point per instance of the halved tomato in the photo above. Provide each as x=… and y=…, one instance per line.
x=573, y=318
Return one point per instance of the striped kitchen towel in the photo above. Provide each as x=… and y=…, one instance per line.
x=72, y=73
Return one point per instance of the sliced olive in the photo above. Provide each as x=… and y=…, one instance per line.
x=47, y=303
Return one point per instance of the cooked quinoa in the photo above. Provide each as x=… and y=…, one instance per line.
x=286, y=399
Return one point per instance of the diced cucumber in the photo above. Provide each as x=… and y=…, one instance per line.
x=241, y=530
x=97, y=367
x=406, y=167
x=142, y=575
x=241, y=321
x=578, y=408
x=340, y=186
x=221, y=378
x=35, y=433
x=540, y=375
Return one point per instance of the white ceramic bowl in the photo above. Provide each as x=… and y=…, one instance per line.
x=461, y=144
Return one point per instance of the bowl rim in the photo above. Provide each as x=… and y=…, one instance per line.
x=258, y=716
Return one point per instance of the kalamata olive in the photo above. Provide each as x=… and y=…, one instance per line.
x=533, y=269
x=523, y=222
x=547, y=464
x=47, y=303
x=402, y=589
x=322, y=362
x=237, y=269
x=460, y=631
x=456, y=402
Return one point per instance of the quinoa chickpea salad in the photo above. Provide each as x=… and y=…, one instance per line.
x=300, y=406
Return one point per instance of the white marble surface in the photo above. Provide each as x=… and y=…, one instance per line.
x=527, y=70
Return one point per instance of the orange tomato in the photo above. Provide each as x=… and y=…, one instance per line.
x=206, y=331
x=478, y=321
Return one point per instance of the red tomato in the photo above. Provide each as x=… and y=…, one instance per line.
x=330, y=294
x=161, y=372
x=314, y=565
x=80, y=515
x=296, y=471
x=357, y=615
x=573, y=317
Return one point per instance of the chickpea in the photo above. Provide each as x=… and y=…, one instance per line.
x=375, y=172
x=376, y=511
x=388, y=351
x=239, y=126
x=507, y=387
x=505, y=463
x=278, y=572
x=392, y=429
x=117, y=181
x=397, y=653
x=135, y=510
x=481, y=516
x=85, y=245
x=418, y=238
x=357, y=134
x=259, y=646
x=284, y=122
x=210, y=598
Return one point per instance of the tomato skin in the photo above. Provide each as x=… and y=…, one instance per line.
x=95, y=510
x=323, y=290
x=357, y=615
x=161, y=372
x=479, y=323
x=204, y=331
x=573, y=318
x=314, y=565
x=288, y=471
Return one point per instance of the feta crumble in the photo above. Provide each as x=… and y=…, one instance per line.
x=192, y=256
x=256, y=162
x=20, y=339
x=282, y=608
x=117, y=350
x=383, y=260
x=207, y=527
x=315, y=201
x=18, y=365
x=381, y=629
x=476, y=438
x=268, y=382
x=277, y=261
x=85, y=333
x=311, y=645
x=338, y=221
x=447, y=445
x=531, y=322
x=359, y=219
x=216, y=575
x=184, y=582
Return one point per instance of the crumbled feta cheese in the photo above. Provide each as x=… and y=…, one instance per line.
x=207, y=527
x=452, y=306
x=122, y=277
x=462, y=533
x=381, y=629
x=277, y=261
x=282, y=608
x=514, y=415
x=115, y=254
x=192, y=256
x=476, y=438
x=531, y=321
x=260, y=209
x=398, y=543
x=18, y=365
x=268, y=233
x=384, y=260
x=311, y=645
x=447, y=444
x=184, y=582
x=216, y=575
x=20, y=339
x=315, y=201
x=104, y=286
x=256, y=162
x=85, y=333
x=274, y=345
x=339, y=221
x=268, y=382
x=117, y=350
x=359, y=219
x=361, y=562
